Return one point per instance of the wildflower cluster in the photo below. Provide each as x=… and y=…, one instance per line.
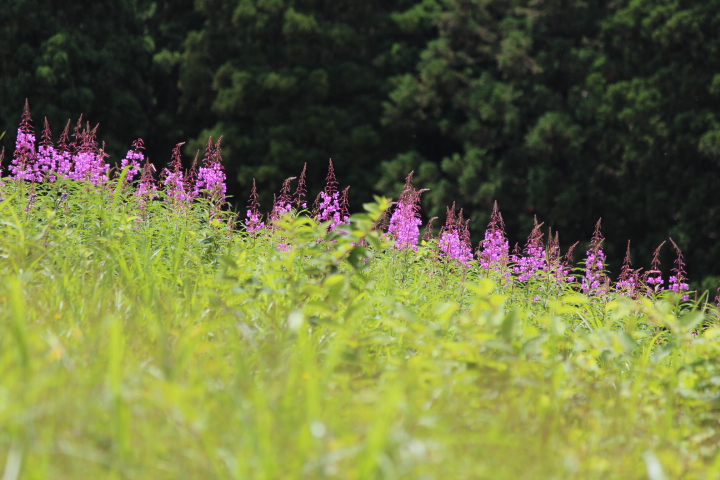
x=534, y=260
x=629, y=281
x=331, y=205
x=211, y=177
x=455, y=238
x=405, y=222
x=82, y=159
x=653, y=277
x=495, y=248
x=678, y=281
x=254, y=222
x=594, y=281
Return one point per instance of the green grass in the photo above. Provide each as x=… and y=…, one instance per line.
x=151, y=343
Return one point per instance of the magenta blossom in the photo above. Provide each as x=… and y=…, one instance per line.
x=134, y=159
x=534, y=260
x=678, y=281
x=178, y=190
x=595, y=281
x=628, y=283
x=211, y=177
x=495, y=248
x=254, y=222
x=405, y=221
x=455, y=238
x=653, y=277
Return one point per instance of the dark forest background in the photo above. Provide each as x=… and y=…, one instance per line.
x=568, y=110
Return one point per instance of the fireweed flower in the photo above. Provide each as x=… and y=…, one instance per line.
x=628, y=282
x=210, y=176
x=678, y=281
x=147, y=188
x=133, y=158
x=23, y=165
x=46, y=164
x=253, y=222
x=528, y=265
x=595, y=281
x=176, y=186
x=495, y=248
x=301, y=191
x=89, y=162
x=556, y=267
x=405, y=222
x=283, y=203
x=328, y=205
x=455, y=238
x=653, y=277
x=64, y=157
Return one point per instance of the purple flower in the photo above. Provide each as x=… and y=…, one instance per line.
x=653, y=277
x=147, y=188
x=211, y=177
x=329, y=204
x=177, y=189
x=63, y=156
x=301, y=191
x=556, y=267
x=23, y=165
x=455, y=238
x=595, y=281
x=133, y=158
x=282, y=204
x=495, y=248
x=678, y=281
x=405, y=221
x=629, y=281
x=528, y=265
x=89, y=162
x=47, y=158
x=254, y=222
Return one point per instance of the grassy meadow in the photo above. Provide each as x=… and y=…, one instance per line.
x=141, y=339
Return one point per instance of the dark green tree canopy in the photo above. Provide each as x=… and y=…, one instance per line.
x=290, y=82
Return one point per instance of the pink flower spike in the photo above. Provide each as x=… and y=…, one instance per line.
x=47, y=157
x=629, y=280
x=405, y=221
x=534, y=259
x=282, y=204
x=595, y=281
x=678, y=281
x=653, y=277
x=328, y=205
x=133, y=158
x=495, y=248
x=177, y=190
x=23, y=165
x=210, y=176
x=455, y=238
x=254, y=222
x=301, y=191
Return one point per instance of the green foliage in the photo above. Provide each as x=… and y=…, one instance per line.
x=138, y=340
